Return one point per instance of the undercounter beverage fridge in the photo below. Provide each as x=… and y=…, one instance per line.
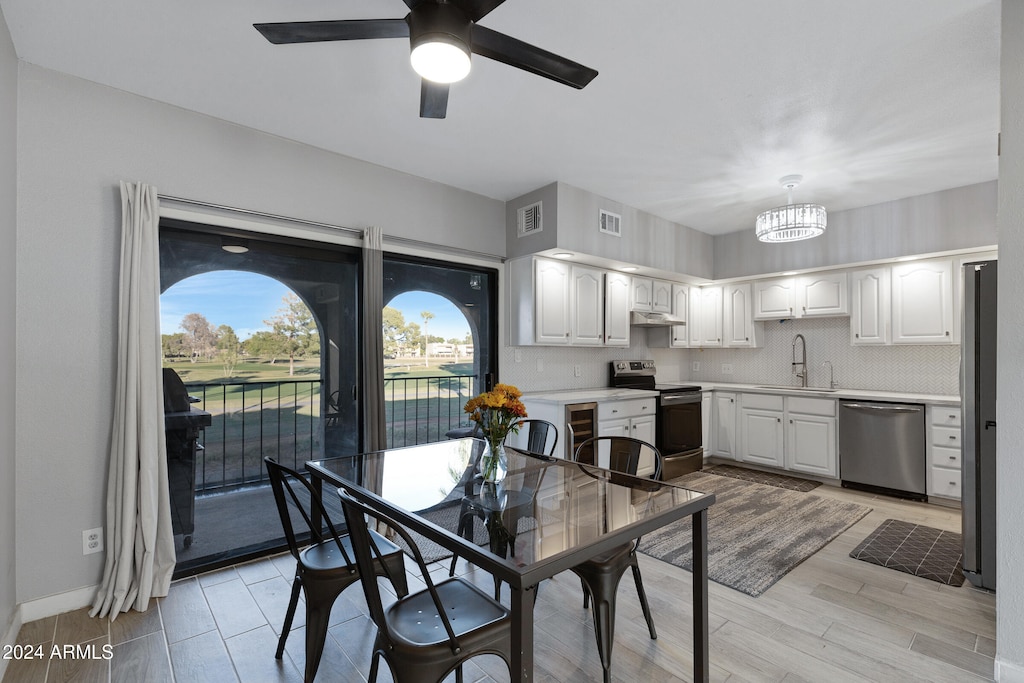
x=978, y=402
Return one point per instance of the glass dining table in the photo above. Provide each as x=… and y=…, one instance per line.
x=565, y=513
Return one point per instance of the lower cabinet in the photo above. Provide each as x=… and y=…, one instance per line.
x=707, y=401
x=761, y=433
x=723, y=425
x=944, y=452
x=789, y=432
x=635, y=418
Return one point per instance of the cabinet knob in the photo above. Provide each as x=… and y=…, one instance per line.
x=790, y=422
x=952, y=483
x=857, y=335
x=566, y=334
x=615, y=410
x=746, y=339
x=778, y=419
x=947, y=333
x=600, y=336
x=952, y=457
x=952, y=438
x=731, y=400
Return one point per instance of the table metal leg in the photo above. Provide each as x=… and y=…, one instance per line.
x=522, y=634
x=701, y=663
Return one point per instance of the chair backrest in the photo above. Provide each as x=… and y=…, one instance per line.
x=366, y=551
x=282, y=481
x=625, y=454
x=537, y=434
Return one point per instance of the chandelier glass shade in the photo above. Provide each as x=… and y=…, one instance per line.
x=791, y=222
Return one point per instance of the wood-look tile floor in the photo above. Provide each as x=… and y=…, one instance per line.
x=832, y=618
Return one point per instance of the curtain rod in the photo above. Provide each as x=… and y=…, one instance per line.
x=398, y=241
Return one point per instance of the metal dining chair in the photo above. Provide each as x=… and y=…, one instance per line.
x=325, y=568
x=424, y=636
x=601, y=575
x=511, y=504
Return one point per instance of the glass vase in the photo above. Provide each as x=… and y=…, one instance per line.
x=492, y=464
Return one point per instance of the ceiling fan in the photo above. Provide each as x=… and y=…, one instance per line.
x=442, y=34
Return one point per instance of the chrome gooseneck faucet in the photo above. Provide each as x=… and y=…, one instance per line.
x=802, y=374
x=832, y=383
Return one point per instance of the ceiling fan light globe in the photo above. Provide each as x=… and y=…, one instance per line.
x=440, y=61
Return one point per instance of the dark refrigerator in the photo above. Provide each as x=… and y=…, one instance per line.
x=978, y=401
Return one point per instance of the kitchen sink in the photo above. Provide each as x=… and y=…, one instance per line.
x=787, y=387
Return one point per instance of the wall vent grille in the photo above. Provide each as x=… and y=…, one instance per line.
x=610, y=223
x=529, y=220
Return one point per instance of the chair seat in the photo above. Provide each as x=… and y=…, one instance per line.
x=414, y=618
x=325, y=556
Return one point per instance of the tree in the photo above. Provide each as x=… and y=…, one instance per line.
x=228, y=349
x=394, y=331
x=426, y=315
x=173, y=345
x=264, y=344
x=296, y=329
x=200, y=337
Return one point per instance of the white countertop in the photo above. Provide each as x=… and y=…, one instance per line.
x=588, y=395
x=609, y=394
x=861, y=394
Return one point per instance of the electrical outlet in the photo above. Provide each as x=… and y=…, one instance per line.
x=696, y=366
x=92, y=541
x=577, y=371
x=519, y=355
x=726, y=368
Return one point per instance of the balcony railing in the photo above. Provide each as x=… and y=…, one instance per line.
x=422, y=409
x=282, y=418
x=253, y=419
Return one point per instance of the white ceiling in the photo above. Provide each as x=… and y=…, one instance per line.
x=698, y=109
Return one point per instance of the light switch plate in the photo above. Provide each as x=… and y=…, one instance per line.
x=695, y=366
x=726, y=368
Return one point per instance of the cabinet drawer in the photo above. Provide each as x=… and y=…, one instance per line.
x=945, y=482
x=811, y=406
x=946, y=457
x=636, y=407
x=946, y=436
x=761, y=401
x=946, y=416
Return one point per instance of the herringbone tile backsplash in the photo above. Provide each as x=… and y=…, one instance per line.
x=915, y=369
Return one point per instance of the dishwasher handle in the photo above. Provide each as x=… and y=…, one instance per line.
x=883, y=408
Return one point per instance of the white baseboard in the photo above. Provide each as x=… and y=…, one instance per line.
x=1007, y=672
x=58, y=604
x=10, y=638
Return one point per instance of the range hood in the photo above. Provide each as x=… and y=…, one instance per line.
x=641, y=319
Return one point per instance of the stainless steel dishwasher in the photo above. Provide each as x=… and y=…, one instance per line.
x=882, y=447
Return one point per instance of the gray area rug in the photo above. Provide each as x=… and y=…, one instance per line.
x=781, y=481
x=915, y=549
x=756, y=533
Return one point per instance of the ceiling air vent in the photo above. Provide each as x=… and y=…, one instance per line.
x=611, y=223
x=528, y=220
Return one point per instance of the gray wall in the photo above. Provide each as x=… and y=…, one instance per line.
x=960, y=218
x=646, y=239
x=1010, y=396
x=8, y=236
x=76, y=141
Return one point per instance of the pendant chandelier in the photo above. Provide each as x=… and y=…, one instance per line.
x=791, y=222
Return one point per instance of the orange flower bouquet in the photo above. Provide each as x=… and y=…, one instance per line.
x=498, y=413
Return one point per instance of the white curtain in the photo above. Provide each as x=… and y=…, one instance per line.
x=374, y=422
x=140, y=544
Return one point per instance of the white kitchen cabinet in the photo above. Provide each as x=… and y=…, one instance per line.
x=723, y=425
x=556, y=303
x=616, y=308
x=774, y=299
x=945, y=452
x=587, y=304
x=869, y=298
x=635, y=418
x=674, y=336
x=810, y=443
x=705, y=320
x=739, y=329
x=552, y=291
x=807, y=296
x=661, y=296
x=651, y=296
x=821, y=295
x=761, y=432
x=922, y=302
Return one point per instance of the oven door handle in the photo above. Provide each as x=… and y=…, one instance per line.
x=679, y=399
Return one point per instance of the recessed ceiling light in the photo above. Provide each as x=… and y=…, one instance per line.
x=790, y=272
x=233, y=245
x=907, y=258
x=563, y=254
x=628, y=269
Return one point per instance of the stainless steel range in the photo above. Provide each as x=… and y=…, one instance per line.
x=679, y=419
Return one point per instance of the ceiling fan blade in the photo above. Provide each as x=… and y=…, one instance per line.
x=474, y=9
x=433, y=100
x=318, y=31
x=514, y=52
